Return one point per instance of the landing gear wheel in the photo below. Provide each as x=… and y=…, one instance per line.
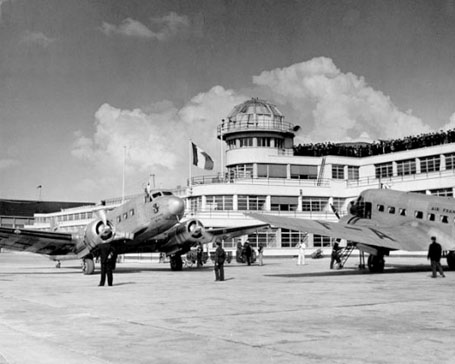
x=176, y=262
x=451, y=260
x=88, y=266
x=376, y=263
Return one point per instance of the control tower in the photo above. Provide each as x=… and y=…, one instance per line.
x=259, y=125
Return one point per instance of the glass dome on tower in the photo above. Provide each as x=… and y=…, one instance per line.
x=253, y=116
x=255, y=110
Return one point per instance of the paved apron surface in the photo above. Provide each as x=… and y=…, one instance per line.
x=277, y=313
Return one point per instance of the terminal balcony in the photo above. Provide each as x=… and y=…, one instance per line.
x=262, y=123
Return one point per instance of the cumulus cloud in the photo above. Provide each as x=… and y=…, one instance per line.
x=450, y=124
x=37, y=38
x=140, y=134
x=159, y=28
x=156, y=140
x=340, y=106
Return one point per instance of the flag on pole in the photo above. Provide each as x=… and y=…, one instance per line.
x=200, y=158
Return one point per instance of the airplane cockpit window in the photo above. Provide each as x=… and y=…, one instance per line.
x=156, y=194
x=361, y=208
x=167, y=193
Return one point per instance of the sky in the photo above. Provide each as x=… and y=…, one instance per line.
x=92, y=91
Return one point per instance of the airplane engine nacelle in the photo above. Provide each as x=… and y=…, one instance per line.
x=184, y=237
x=192, y=231
x=98, y=232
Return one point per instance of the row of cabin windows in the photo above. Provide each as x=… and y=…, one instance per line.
x=125, y=215
x=417, y=214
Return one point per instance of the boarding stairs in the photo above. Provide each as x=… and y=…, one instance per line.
x=321, y=172
x=345, y=253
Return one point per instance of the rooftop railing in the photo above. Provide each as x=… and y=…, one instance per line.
x=324, y=182
x=261, y=123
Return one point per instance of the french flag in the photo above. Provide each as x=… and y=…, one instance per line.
x=201, y=159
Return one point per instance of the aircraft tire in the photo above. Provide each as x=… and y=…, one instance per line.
x=88, y=266
x=376, y=263
x=451, y=260
x=176, y=263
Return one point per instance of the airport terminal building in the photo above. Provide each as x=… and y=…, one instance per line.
x=265, y=171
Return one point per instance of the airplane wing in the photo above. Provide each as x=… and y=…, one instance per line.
x=411, y=236
x=35, y=241
x=232, y=232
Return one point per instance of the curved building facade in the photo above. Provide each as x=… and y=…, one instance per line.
x=265, y=171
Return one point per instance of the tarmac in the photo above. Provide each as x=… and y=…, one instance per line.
x=276, y=313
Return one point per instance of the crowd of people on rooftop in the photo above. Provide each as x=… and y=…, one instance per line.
x=362, y=149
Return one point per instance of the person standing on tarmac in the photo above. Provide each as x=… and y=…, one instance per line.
x=107, y=258
x=335, y=257
x=434, y=254
x=260, y=254
x=220, y=257
x=301, y=257
x=199, y=252
x=248, y=252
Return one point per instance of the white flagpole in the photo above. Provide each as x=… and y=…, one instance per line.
x=123, y=174
x=221, y=152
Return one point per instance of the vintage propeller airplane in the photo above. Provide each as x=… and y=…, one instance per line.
x=382, y=220
x=142, y=224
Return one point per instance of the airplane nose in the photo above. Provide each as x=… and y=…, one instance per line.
x=176, y=206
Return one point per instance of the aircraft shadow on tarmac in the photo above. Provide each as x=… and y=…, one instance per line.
x=391, y=269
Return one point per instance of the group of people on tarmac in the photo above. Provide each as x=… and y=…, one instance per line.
x=108, y=257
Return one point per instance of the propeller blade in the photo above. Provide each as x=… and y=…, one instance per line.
x=333, y=208
x=102, y=215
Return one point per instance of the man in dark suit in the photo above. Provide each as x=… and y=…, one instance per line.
x=107, y=258
x=220, y=257
x=434, y=254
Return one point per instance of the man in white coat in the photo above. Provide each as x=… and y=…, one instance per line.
x=301, y=258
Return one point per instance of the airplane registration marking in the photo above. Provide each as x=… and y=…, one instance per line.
x=444, y=210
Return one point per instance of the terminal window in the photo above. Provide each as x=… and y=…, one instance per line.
x=353, y=172
x=272, y=170
x=220, y=202
x=248, y=202
x=384, y=170
x=430, y=164
x=304, y=172
x=450, y=160
x=406, y=167
x=290, y=238
x=321, y=241
x=284, y=203
x=338, y=171
x=314, y=203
